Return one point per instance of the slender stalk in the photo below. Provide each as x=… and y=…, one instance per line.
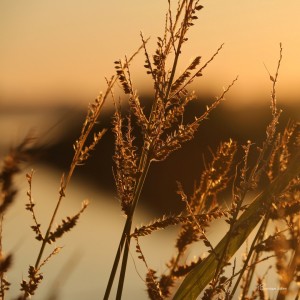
x=251, y=272
x=258, y=236
x=145, y=163
x=178, y=50
x=45, y=240
x=127, y=233
x=66, y=181
x=115, y=265
x=144, y=167
x=124, y=261
x=77, y=154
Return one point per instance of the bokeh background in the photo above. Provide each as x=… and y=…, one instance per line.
x=61, y=50
x=54, y=57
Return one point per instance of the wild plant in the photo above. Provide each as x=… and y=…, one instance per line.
x=163, y=131
x=83, y=146
x=11, y=165
x=278, y=160
x=263, y=180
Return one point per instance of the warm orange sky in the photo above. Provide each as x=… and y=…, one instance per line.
x=66, y=47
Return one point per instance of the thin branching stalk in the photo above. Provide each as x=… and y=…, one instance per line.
x=82, y=142
x=82, y=153
x=66, y=181
x=145, y=158
x=255, y=172
x=156, y=146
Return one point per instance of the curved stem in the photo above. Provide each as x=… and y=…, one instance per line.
x=65, y=182
x=82, y=138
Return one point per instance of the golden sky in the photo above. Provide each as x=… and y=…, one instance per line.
x=62, y=49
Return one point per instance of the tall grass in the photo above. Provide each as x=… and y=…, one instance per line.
x=272, y=176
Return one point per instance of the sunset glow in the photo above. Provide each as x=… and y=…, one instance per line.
x=62, y=50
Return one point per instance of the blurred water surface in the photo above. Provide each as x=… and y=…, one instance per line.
x=82, y=267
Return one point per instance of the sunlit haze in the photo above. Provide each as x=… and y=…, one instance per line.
x=62, y=50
